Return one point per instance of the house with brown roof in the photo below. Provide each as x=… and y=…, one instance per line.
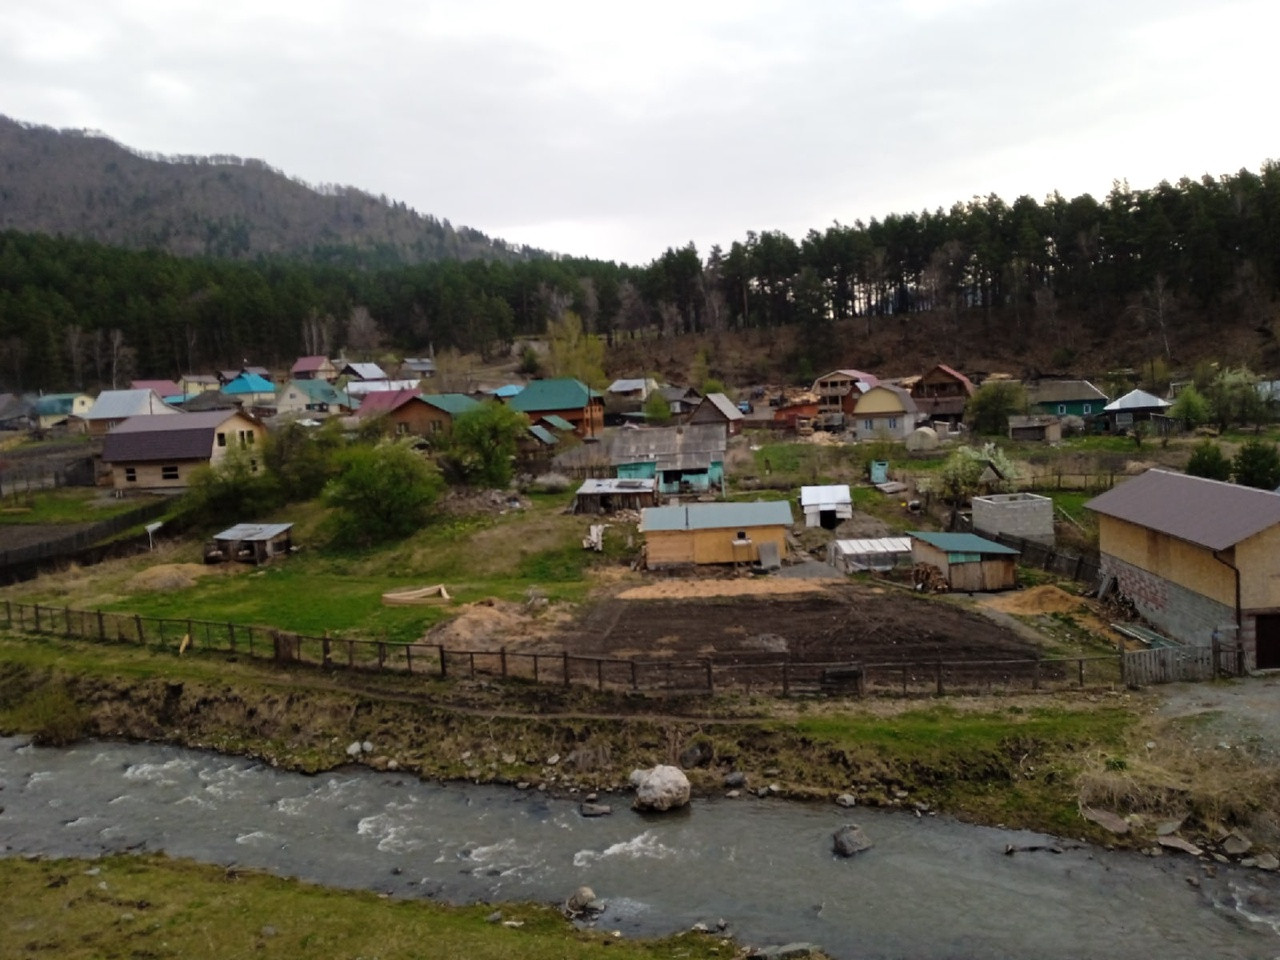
x=313, y=368
x=886, y=411
x=1198, y=558
x=156, y=452
x=411, y=413
x=838, y=393
x=942, y=394
x=1065, y=398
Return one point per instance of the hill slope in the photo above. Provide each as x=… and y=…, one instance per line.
x=83, y=184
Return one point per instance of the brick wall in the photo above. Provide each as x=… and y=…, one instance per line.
x=1173, y=609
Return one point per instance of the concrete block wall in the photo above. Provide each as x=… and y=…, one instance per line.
x=1024, y=515
x=1173, y=609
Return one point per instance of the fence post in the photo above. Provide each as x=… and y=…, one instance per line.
x=1079, y=564
x=904, y=679
x=1120, y=654
x=566, y=667
x=102, y=627
x=1215, y=651
x=502, y=659
x=634, y=685
x=408, y=657
x=471, y=659
x=939, y=678
x=786, y=677
x=535, y=668
x=710, y=682
x=37, y=609
x=1035, y=674
x=1080, y=666
x=444, y=670
x=66, y=619
x=326, y=651
x=599, y=674
x=382, y=654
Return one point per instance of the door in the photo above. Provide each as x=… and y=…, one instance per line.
x=1267, y=630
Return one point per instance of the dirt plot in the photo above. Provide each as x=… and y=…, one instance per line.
x=833, y=623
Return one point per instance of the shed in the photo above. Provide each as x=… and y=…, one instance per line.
x=715, y=532
x=610, y=494
x=251, y=543
x=826, y=506
x=718, y=409
x=967, y=561
x=1036, y=428
x=880, y=553
x=1025, y=515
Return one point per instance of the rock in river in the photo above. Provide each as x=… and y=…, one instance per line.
x=849, y=840
x=661, y=788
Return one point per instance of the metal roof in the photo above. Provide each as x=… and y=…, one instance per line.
x=364, y=388
x=961, y=542
x=254, y=531
x=723, y=404
x=557, y=422
x=365, y=371
x=1064, y=391
x=508, y=390
x=716, y=516
x=186, y=436
x=118, y=404
x=631, y=385
x=561, y=393
x=1137, y=400
x=452, y=403
x=249, y=383
x=317, y=391
x=671, y=448
x=601, y=485
x=1208, y=513
x=872, y=547
x=385, y=401
x=831, y=495
x=543, y=434
x=308, y=364
x=905, y=400
x=163, y=388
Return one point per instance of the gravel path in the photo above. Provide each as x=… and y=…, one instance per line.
x=1234, y=713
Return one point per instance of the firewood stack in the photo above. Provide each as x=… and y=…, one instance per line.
x=929, y=578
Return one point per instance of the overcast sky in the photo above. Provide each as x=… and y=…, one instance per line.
x=615, y=130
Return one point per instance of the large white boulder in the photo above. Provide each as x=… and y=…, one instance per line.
x=660, y=788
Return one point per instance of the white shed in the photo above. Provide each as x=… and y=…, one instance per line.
x=826, y=506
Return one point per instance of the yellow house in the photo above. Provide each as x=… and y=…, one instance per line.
x=884, y=411
x=1197, y=558
x=160, y=452
x=715, y=532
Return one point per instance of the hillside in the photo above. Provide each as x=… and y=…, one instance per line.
x=83, y=184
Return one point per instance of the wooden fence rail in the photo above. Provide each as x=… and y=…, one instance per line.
x=707, y=675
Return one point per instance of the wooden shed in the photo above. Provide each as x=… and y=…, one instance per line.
x=609, y=494
x=716, y=532
x=967, y=562
x=251, y=543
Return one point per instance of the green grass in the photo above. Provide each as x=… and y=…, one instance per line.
x=808, y=463
x=70, y=505
x=150, y=906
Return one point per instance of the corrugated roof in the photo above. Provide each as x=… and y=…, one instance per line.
x=365, y=371
x=249, y=383
x=308, y=364
x=365, y=388
x=872, y=547
x=601, y=485
x=1208, y=513
x=384, y=401
x=508, y=390
x=831, y=495
x=905, y=399
x=961, y=542
x=671, y=448
x=1064, y=391
x=162, y=388
x=630, y=385
x=56, y=404
x=561, y=393
x=452, y=403
x=118, y=404
x=557, y=422
x=186, y=436
x=1136, y=400
x=544, y=435
x=716, y=516
x=254, y=531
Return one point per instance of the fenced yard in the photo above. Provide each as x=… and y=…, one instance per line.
x=707, y=675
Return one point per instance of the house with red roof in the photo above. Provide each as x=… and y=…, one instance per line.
x=942, y=394
x=313, y=368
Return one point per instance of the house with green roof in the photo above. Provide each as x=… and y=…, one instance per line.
x=966, y=561
x=313, y=398
x=54, y=408
x=564, y=397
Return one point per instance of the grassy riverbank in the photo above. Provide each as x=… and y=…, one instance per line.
x=150, y=906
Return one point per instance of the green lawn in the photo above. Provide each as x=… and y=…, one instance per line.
x=66, y=506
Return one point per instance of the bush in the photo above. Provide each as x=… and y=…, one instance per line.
x=1208, y=460
x=382, y=493
x=50, y=715
x=238, y=488
x=1257, y=465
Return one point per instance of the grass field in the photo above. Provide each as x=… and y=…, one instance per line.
x=150, y=906
x=66, y=506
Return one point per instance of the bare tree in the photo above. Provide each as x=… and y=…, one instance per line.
x=364, y=336
x=77, y=343
x=122, y=358
x=1156, y=306
x=317, y=334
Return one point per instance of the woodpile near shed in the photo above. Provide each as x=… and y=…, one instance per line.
x=929, y=578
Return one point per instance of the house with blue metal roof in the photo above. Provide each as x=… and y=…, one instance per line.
x=716, y=533
x=251, y=389
x=965, y=561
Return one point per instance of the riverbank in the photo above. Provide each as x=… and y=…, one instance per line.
x=1028, y=762
x=153, y=906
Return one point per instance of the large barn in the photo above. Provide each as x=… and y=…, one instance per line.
x=716, y=533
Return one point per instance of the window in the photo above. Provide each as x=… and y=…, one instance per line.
x=253, y=466
x=868, y=425
x=169, y=472
x=436, y=426
x=893, y=423
x=402, y=428
x=1087, y=408
x=249, y=437
x=742, y=535
x=222, y=439
x=1062, y=408
x=130, y=475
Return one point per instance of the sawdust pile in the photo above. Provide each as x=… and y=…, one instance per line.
x=683, y=589
x=1042, y=599
x=168, y=577
x=493, y=624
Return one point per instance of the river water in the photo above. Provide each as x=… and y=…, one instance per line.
x=930, y=888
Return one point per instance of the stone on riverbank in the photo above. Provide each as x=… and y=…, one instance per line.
x=595, y=809
x=849, y=840
x=660, y=788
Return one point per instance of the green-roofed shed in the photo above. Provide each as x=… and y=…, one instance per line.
x=566, y=397
x=966, y=561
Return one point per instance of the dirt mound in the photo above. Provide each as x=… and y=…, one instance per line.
x=1042, y=599
x=752, y=587
x=167, y=577
x=493, y=624
x=862, y=526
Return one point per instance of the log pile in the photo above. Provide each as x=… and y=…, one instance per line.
x=928, y=578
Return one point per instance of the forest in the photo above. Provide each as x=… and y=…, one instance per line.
x=1173, y=262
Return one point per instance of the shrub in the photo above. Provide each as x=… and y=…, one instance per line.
x=382, y=493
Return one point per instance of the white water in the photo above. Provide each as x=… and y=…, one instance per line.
x=929, y=888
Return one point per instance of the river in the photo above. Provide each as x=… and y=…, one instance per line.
x=930, y=888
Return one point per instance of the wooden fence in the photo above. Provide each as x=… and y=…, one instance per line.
x=745, y=674
x=1177, y=664
x=71, y=543
x=1084, y=569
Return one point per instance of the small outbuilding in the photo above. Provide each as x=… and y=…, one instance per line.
x=1025, y=515
x=716, y=532
x=250, y=543
x=879, y=553
x=1035, y=428
x=966, y=561
x=826, y=506
x=609, y=494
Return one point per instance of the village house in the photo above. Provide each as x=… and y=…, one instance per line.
x=156, y=452
x=688, y=458
x=797, y=415
x=942, y=394
x=716, y=533
x=568, y=398
x=167, y=390
x=681, y=400
x=357, y=389
x=116, y=406
x=884, y=411
x=315, y=398
x=1136, y=406
x=447, y=407
x=361, y=371
x=423, y=368
x=250, y=390
x=838, y=393
x=625, y=399
x=313, y=368
x=1065, y=398
x=1198, y=559
x=966, y=561
x=54, y=409
x=718, y=409
x=193, y=384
